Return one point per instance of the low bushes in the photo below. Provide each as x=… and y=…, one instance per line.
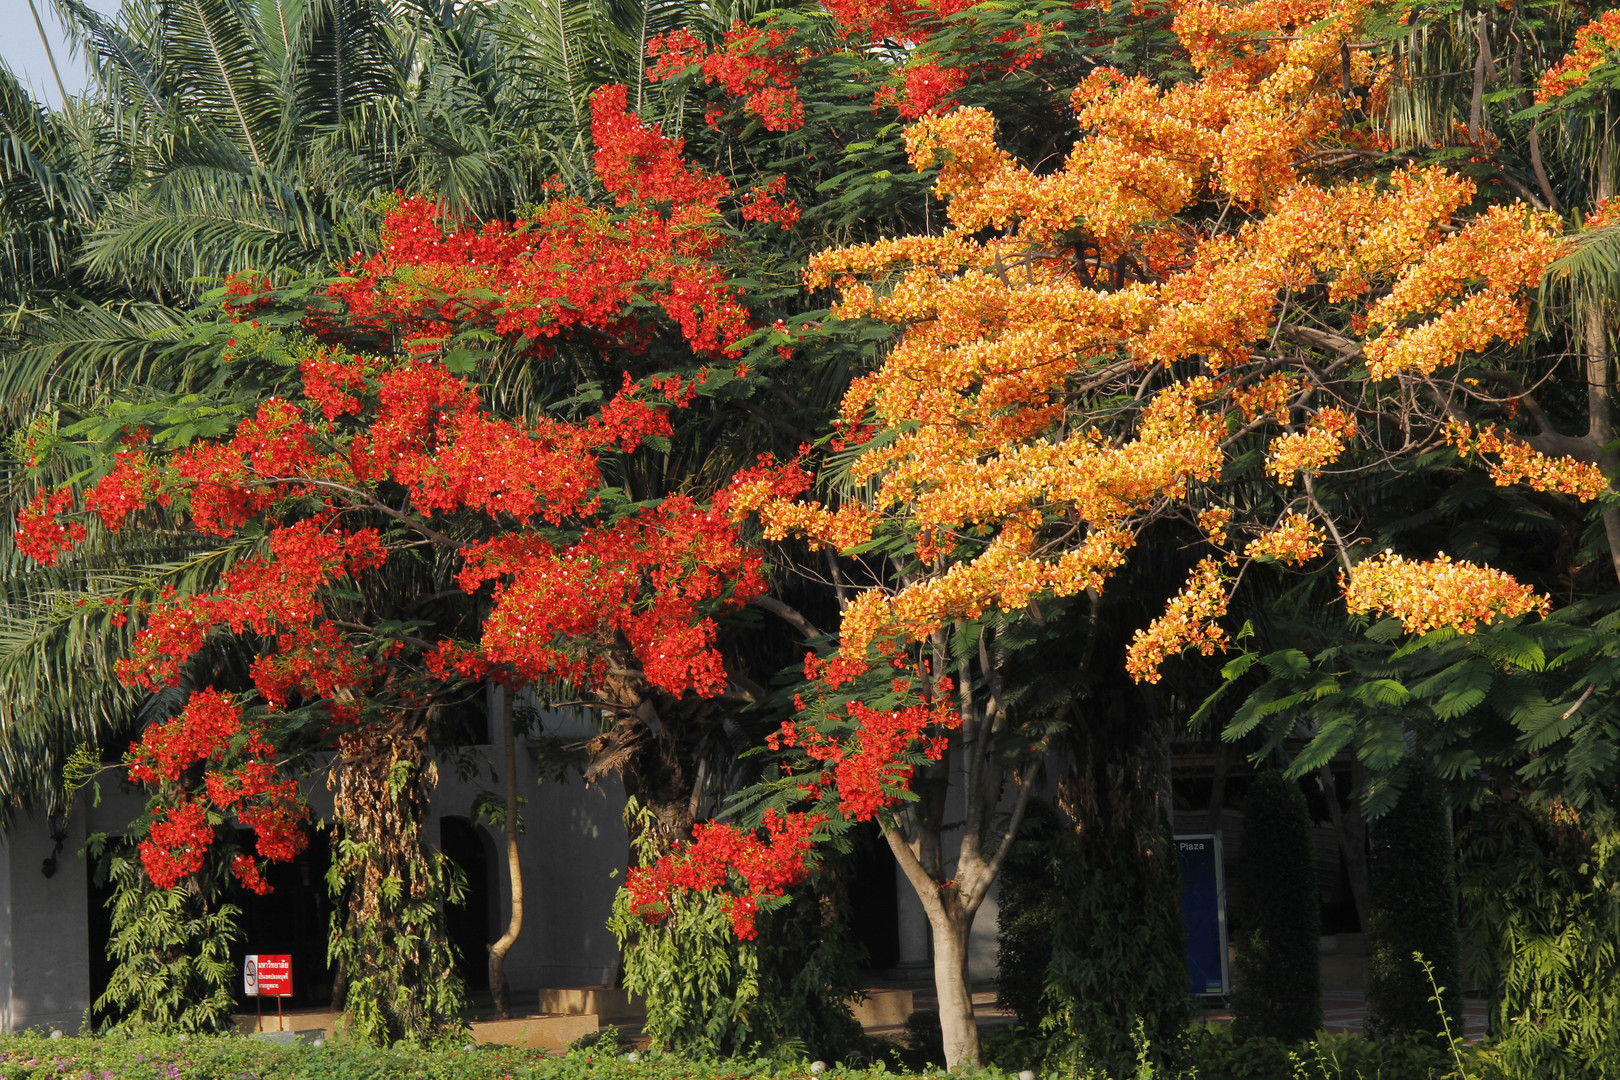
x=1210, y=1052
x=36, y=1057
x=1218, y=1052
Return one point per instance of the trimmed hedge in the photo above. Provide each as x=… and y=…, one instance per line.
x=1413, y=875
x=1277, y=974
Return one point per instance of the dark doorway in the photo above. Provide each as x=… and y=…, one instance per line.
x=471, y=924
x=98, y=894
x=293, y=918
x=874, y=907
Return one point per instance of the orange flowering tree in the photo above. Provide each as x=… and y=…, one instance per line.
x=1193, y=303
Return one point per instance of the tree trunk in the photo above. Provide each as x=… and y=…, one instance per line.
x=952, y=894
x=1351, y=830
x=514, y=870
x=1599, y=391
x=956, y=1022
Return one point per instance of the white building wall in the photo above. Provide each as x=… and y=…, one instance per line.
x=573, y=853
x=44, y=947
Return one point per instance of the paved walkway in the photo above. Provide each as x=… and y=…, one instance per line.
x=1342, y=1010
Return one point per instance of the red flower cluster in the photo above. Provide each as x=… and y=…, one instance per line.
x=656, y=577
x=177, y=844
x=246, y=295
x=409, y=439
x=760, y=204
x=757, y=64
x=869, y=767
x=424, y=284
x=865, y=763
x=130, y=486
x=905, y=21
x=758, y=863
x=39, y=535
x=926, y=88
x=237, y=777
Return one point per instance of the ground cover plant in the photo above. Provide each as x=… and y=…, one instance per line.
x=1206, y=1053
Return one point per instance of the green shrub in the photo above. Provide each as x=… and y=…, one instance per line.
x=1277, y=974
x=925, y=1040
x=1412, y=874
x=36, y=1057
x=1027, y=901
x=1014, y=1048
x=1541, y=887
x=711, y=995
x=1217, y=1052
x=607, y=1040
x=1118, y=943
x=172, y=948
x=1090, y=935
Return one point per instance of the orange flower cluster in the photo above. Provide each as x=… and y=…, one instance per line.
x=1213, y=522
x=1605, y=215
x=1042, y=284
x=1521, y=463
x=1307, y=451
x=1270, y=396
x=1188, y=622
x=1296, y=540
x=1437, y=594
x=1473, y=287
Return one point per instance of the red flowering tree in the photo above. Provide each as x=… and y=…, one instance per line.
x=375, y=482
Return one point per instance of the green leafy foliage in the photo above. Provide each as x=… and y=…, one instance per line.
x=1538, y=701
x=1218, y=1052
x=1277, y=975
x=1541, y=893
x=1024, y=915
x=710, y=994
x=1117, y=966
x=173, y=950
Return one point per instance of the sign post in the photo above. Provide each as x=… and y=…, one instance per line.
x=1203, y=911
x=267, y=975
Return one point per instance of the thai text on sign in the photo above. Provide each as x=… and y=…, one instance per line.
x=267, y=975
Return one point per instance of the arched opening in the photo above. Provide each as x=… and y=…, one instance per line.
x=471, y=924
x=294, y=918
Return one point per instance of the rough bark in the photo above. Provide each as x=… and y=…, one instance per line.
x=503, y=945
x=1599, y=380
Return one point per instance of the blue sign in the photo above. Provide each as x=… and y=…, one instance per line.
x=1203, y=911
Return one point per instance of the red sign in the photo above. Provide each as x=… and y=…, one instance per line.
x=267, y=975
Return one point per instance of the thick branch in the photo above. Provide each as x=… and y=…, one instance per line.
x=993, y=867
x=789, y=614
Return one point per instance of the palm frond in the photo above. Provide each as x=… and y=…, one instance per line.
x=76, y=352
x=213, y=61
x=198, y=224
